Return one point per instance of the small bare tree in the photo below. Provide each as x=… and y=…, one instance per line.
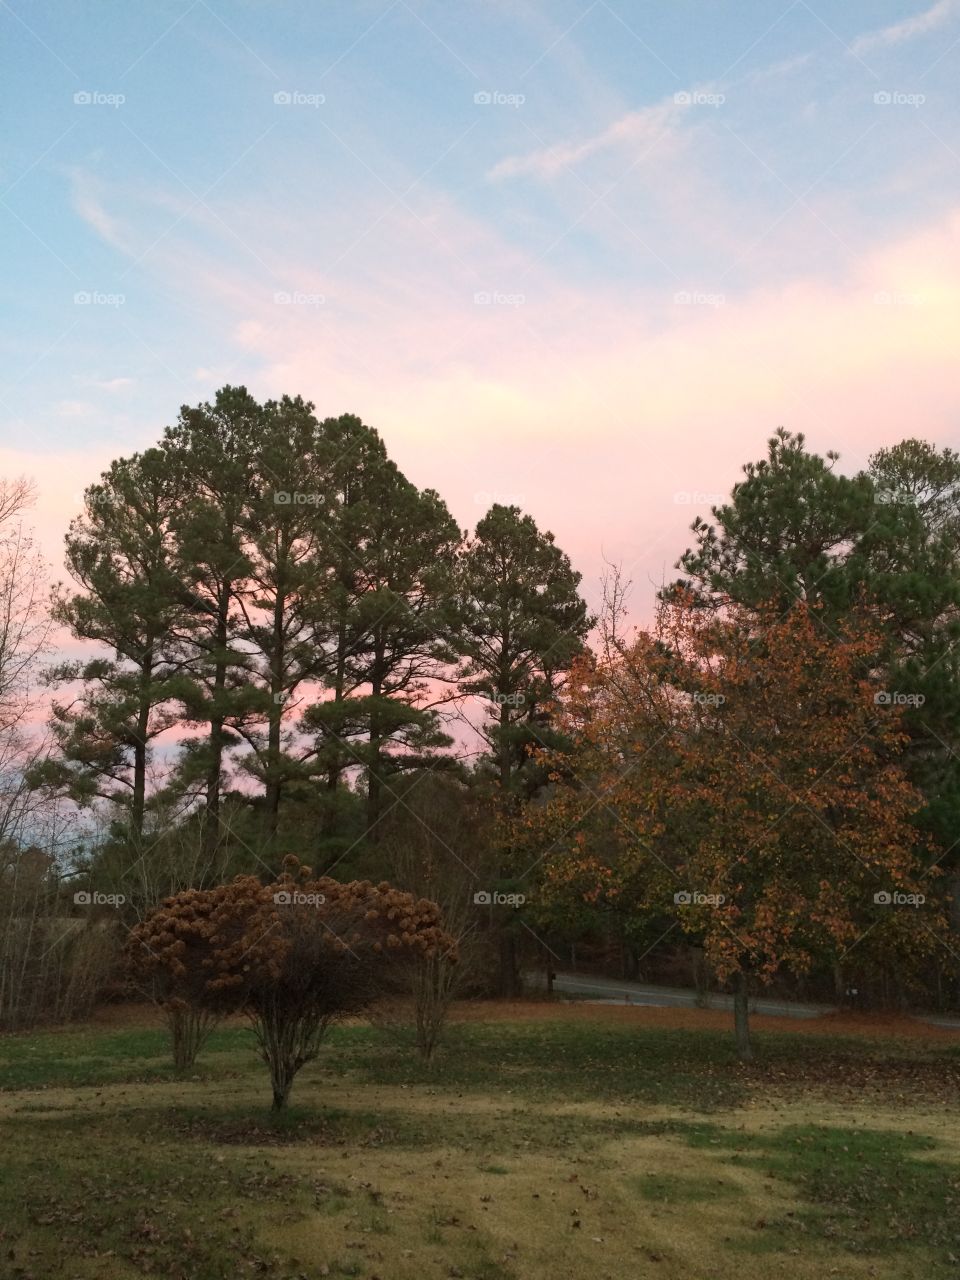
x=51, y=965
x=24, y=621
x=439, y=843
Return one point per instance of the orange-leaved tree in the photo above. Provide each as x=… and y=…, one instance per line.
x=732, y=775
x=293, y=955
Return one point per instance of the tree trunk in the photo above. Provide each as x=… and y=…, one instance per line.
x=510, y=986
x=329, y=817
x=741, y=1017
x=374, y=783
x=504, y=750
x=210, y=840
x=140, y=754
x=955, y=902
x=275, y=723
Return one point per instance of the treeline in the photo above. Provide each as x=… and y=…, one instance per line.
x=289, y=634
x=287, y=611
x=770, y=771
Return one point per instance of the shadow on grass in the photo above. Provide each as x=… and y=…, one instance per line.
x=866, y=1190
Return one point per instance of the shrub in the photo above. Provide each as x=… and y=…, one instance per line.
x=293, y=955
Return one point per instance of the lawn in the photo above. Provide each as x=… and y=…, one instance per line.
x=564, y=1146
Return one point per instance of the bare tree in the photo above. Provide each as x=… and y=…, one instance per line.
x=438, y=843
x=51, y=965
x=613, y=613
x=24, y=621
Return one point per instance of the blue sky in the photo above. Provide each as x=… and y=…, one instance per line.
x=582, y=255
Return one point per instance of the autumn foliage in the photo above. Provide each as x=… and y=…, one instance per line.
x=735, y=777
x=293, y=955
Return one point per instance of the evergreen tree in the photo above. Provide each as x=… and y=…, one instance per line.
x=524, y=624
x=122, y=554
x=210, y=452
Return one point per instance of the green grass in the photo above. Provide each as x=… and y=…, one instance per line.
x=77, y=1059
x=73, y=1192
x=384, y=1166
x=864, y=1188
x=671, y=1188
x=575, y=1061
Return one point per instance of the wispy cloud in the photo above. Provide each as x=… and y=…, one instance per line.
x=918, y=25
x=637, y=130
x=86, y=203
x=73, y=408
x=110, y=384
x=643, y=129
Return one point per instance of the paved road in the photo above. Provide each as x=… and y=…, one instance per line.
x=614, y=991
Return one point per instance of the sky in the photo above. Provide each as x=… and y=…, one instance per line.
x=581, y=256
